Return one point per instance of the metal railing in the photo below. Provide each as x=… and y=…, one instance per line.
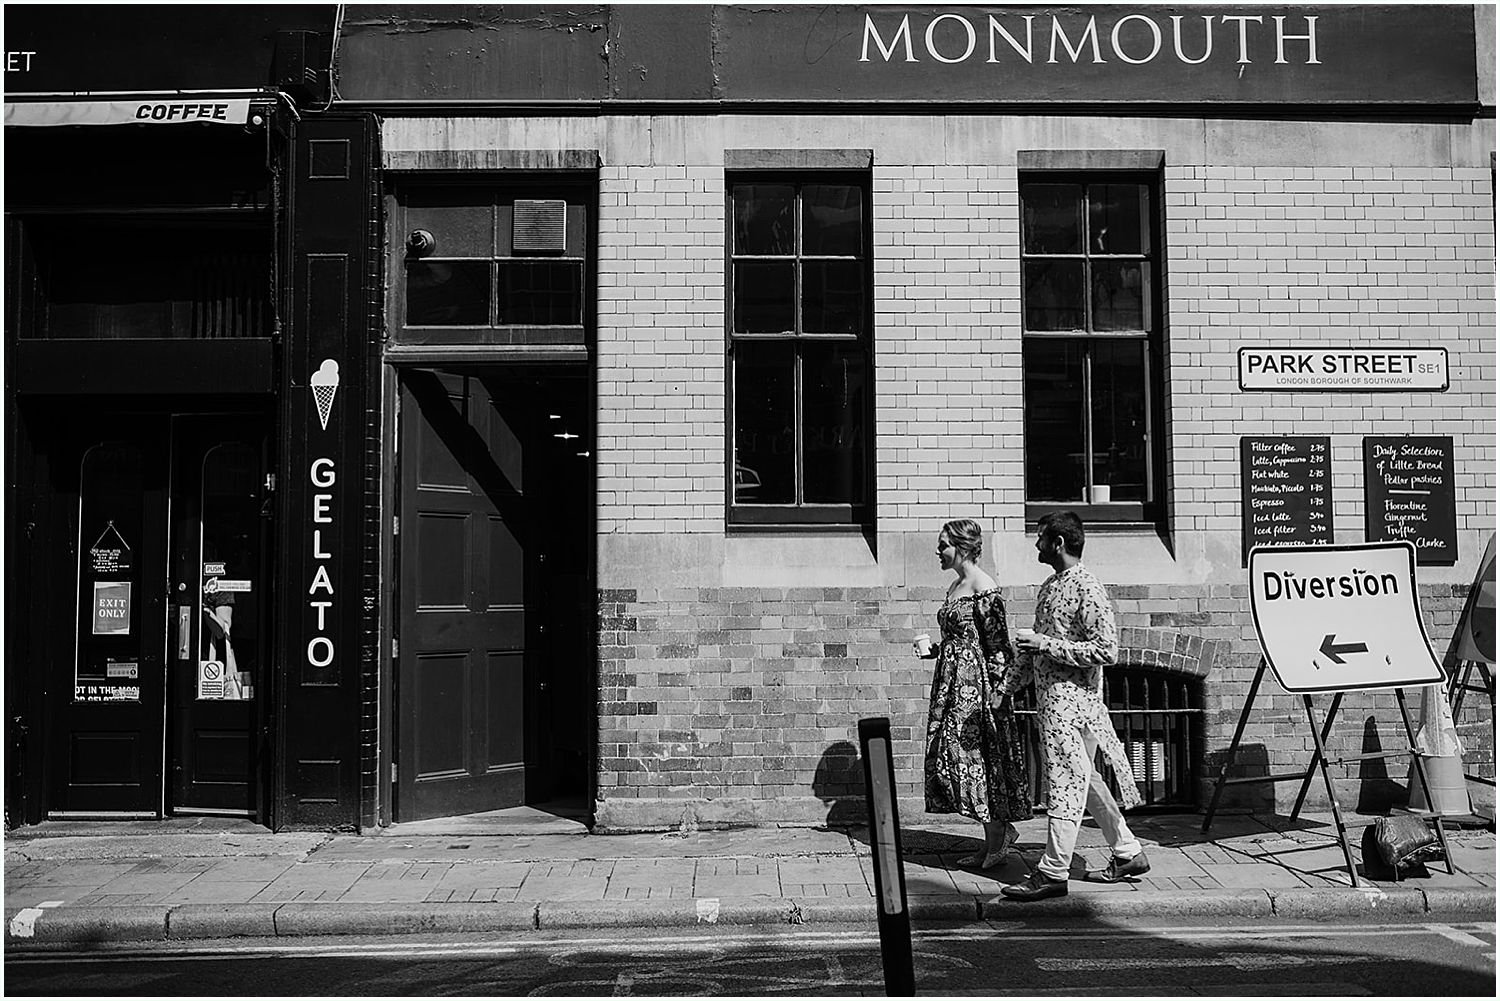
x=1159, y=718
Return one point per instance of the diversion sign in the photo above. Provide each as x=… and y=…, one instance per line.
x=1341, y=618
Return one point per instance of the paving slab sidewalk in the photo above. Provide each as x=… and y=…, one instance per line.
x=155, y=882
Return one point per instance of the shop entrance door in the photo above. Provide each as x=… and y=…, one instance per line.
x=163, y=523
x=467, y=698
x=220, y=570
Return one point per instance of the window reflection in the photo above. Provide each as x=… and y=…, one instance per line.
x=832, y=220
x=230, y=560
x=764, y=297
x=1055, y=295
x=1052, y=218
x=1118, y=375
x=1090, y=321
x=541, y=293
x=800, y=284
x=1118, y=295
x=447, y=293
x=833, y=299
x=763, y=219
x=1055, y=415
x=111, y=510
x=833, y=395
x=1115, y=214
x=764, y=418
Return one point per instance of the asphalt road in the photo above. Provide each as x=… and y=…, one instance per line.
x=1205, y=958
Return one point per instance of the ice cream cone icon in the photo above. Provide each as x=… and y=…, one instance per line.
x=325, y=383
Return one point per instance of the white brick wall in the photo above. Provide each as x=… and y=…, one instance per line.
x=948, y=366
x=660, y=442
x=1327, y=255
x=1256, y=254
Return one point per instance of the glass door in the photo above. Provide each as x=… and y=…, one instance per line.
x=103, y=623
x=218, y=623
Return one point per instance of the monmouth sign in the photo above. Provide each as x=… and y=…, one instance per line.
x=1017, y=56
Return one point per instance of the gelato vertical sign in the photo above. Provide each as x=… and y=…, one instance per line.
x=1409, y=495
x=1287, y=491
x=322, y=474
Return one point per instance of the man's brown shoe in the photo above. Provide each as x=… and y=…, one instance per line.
x=1037, y=886
x=1122, y=868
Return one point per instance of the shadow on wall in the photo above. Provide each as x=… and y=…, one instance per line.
x=839, y=782
x=1250, y=761
x=1378, y=792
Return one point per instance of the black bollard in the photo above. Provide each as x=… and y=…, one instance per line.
x=885, y=844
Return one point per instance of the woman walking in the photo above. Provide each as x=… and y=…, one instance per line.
x=975, y=766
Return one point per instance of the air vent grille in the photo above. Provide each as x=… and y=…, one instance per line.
x=540, y=226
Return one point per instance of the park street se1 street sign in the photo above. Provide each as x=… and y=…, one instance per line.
x=1341, y=618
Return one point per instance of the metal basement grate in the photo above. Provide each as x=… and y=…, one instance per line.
x=1159, y=717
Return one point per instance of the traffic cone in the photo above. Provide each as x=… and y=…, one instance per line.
x=1442, y=758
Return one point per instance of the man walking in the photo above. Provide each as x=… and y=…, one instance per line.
x=1074, y=640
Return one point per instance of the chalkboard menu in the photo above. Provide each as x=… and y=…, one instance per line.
x=1288, y=491
x=1409, y=495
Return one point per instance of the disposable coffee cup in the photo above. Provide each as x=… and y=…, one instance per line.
x=922, y=644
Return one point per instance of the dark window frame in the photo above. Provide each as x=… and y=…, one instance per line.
x=1152, y=509
x=488, y=190
x=800, y=513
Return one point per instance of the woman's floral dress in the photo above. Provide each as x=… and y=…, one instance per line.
x=975, y=763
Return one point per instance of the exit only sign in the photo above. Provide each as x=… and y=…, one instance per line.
x=1384, y=369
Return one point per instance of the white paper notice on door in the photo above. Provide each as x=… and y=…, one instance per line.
x=210, y=679
x=111, y=608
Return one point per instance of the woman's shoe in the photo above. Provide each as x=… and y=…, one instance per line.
x=991, y=857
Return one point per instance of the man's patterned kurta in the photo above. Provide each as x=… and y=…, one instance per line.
x=1076, y=627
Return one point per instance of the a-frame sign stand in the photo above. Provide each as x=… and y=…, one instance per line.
x=1473, y=648
x=1320, y=762
x=1333, y=619
x=1460, y=681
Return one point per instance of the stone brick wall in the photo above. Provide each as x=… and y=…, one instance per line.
x=741, y=705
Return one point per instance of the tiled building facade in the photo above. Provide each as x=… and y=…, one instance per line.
x=592, y=567
x=729, y=665
x=735, y=659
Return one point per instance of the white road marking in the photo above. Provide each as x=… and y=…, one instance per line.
x=800, y=938
x=1332, y=989
x=1454, y=935
x=1238, y=960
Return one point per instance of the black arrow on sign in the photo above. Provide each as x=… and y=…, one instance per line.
x=1331, y=650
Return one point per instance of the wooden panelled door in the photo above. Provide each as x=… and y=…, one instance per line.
x=467, y=705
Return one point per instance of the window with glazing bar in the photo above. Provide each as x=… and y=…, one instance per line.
x=799, y=350
x=1092, y=330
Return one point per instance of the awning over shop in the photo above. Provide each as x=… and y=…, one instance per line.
x=141, y=111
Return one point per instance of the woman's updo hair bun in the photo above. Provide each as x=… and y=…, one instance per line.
x=966, y=537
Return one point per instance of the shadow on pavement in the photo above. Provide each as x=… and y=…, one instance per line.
x=1027, y=956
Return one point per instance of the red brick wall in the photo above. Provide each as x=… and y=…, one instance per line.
x=741, y=705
